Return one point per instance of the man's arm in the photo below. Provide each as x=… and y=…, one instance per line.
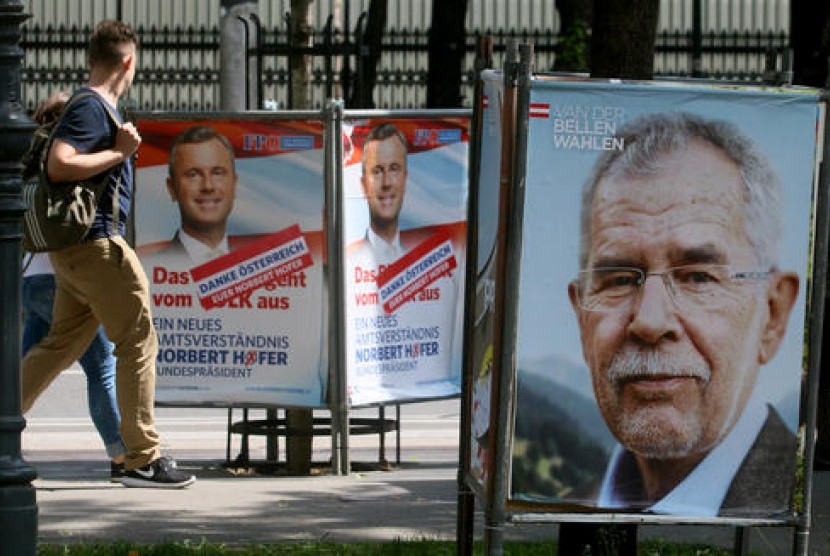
x=66, y=163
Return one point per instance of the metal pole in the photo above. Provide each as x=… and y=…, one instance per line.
x=346, y=71
x=801, y=539
x=465, y=505
x=338, y=397
x=741, y=545
x=697, y=39
x=251, y=40
x=510, y=225
x=234, y=76
x=358, y=80
x=246, y=41
x=328, y=41
x=259, y=102
x=18, y=507
x=290, y=58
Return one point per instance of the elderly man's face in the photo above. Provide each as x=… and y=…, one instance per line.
x=204, y=185
x=670, y=383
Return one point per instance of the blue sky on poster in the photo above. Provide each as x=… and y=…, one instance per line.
x=281, y=189
x=436, y=191
x=288, y=188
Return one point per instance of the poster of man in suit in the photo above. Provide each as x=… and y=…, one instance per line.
x=663, y=294
x=229, y=227
x=405, y=226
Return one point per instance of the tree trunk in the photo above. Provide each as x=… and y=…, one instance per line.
x=810, y=39
x=300, y=36
x=622, y=43
x=572, y=40
x=298, y=448
x=447, y=37
x=368, y=56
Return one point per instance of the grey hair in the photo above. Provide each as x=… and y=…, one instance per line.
x=648, y=137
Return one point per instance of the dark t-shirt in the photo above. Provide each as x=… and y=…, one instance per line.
x=87, y=127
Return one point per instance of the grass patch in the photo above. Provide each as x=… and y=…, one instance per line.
x=395, y=548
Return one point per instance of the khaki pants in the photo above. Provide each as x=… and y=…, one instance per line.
x=102, y=281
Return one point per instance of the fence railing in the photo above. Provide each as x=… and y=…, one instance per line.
x=179, y=67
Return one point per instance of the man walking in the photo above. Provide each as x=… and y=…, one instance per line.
x=100, y=280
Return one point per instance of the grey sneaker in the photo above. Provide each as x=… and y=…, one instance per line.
x=161, y=473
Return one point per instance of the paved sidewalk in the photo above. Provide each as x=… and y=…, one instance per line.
x=416, y=499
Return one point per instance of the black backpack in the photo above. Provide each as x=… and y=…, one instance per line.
x=59, y=215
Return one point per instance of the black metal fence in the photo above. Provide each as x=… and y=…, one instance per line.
x=179, y=67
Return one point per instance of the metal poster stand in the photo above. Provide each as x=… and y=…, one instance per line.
x=498, y=510
x=339, y=426
x=815, y=325
x=272, y=426
x=493, y=488
x=340, y=322
x=466, y=497
x=340, y=463
x=494, y=481
x=517, y=78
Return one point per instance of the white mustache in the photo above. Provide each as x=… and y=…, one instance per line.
x=631, y=365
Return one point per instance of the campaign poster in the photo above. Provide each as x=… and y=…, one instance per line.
x=481, y=351
x=661, y=313
x=404, y=203
x=229, y=228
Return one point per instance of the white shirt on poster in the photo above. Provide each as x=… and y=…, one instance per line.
x=385, y=252
x=199, y=252
x=702, y=492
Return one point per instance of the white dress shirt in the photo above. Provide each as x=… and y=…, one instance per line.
x=702, y=492
x=385, y=252
x=199, y=252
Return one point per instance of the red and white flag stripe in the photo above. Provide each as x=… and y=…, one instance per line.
x=539, y=110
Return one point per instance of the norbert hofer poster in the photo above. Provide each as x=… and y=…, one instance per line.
x=405, y=203
x=664, y=276
x=229, y=229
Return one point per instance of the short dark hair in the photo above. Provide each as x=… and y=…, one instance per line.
x=106, y=44
x=383, y=132
x=198, y=134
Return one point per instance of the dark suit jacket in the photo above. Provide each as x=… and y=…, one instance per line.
x=173, y=256
x=175, y=248
x=175, y=251
x=763, y=485
x=764, y=482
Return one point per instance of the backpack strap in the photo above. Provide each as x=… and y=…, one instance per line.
x=27, y=260
x=44, y=156
x=115, y=201
x=111, y=113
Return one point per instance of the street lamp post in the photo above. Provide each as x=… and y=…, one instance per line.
x=18, y=508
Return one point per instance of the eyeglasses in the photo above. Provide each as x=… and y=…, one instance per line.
x=696, y=286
